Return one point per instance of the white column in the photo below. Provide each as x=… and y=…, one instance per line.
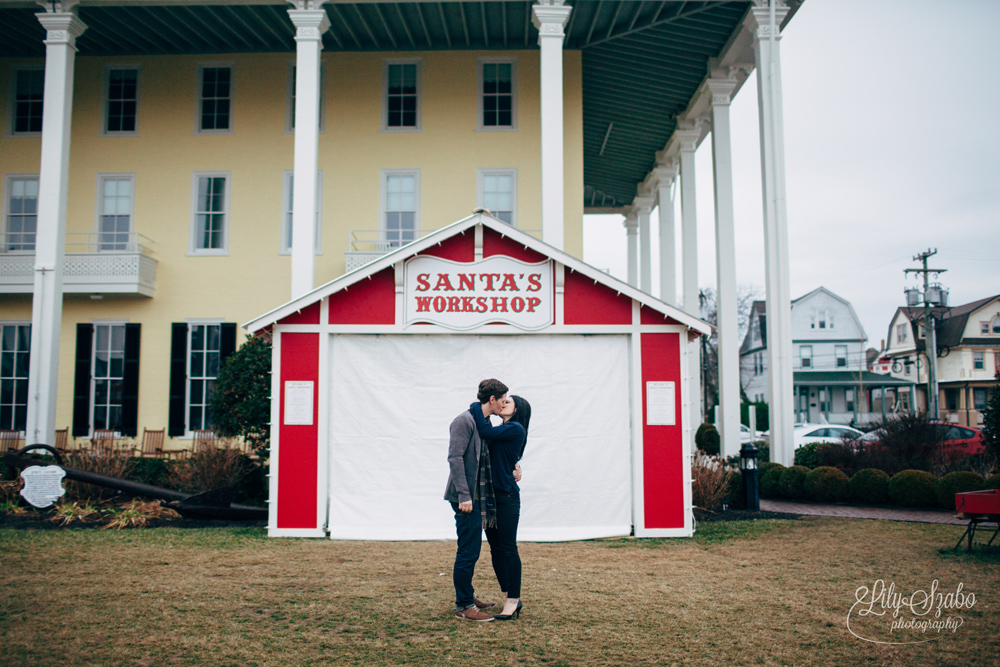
x=763, y=22
x=721, y=87
x=632, y=230
x=687, y=136
x=310, y=24
x=61, y=31
x=665, y=176
x=549, y=17
x=643, y=206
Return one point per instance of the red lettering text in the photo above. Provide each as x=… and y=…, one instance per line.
x=534, y=282
x=422, y=284
x=517, y=304
x=443, y=283
x=489, y=280
x=508, y=283
x=481, y=306
x=532, y=302
x=499, y=304
x=467, y=281
x=467, y=306
x=439, y=304
x=423, y=304
x=453, y=304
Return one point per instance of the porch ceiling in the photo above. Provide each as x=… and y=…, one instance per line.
x=643, y=60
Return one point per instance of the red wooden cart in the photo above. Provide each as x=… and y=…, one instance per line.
x=979, y=507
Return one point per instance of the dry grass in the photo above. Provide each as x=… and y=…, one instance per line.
x=753, y=593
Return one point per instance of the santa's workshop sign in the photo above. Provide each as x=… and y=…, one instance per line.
x=463, y=296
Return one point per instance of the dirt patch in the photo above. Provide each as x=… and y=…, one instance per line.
x=707, y=516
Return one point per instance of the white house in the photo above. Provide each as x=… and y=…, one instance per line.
x=968, y=342
x=829, y=366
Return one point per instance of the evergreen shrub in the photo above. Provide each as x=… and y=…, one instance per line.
x=956, y=482
x=826, y=484
x=869, y=487
x=736, y=492
x=806, y=455
x=770, y=480
x=992, y=482
x=913, y=488
x=707, y=439
x=792, y=482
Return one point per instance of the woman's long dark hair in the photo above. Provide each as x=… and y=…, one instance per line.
x=522, y=415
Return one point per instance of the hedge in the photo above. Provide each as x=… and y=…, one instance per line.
x=869, y=487
x=792, y=482
x=913, y=488
x=770, y=480
x=826, y=484
x=956, y=482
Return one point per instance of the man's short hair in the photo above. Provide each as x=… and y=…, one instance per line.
x=490, y=388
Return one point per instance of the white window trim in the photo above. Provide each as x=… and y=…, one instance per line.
x=12, y=101
x=479, y=95
x=93, y=364
x=192, y=322
x=385, y=93
x=193, y=250
x=285, y=178
x=802, y=357
x=384, y=178
x=104, y=99
x=232, y=98
x=982, y=358
x=480, y=195
x=5, y=223
x=99, y=199
x=290, y=86
x=18, y=323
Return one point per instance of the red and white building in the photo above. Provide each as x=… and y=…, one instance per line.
x=370, y=369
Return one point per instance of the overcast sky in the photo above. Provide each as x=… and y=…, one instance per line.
x=892, y=146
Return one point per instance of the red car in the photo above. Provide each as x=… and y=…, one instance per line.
x=960, y=441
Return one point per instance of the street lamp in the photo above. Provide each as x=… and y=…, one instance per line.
x=750, y=472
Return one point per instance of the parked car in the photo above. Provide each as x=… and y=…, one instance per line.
x=746, y=435
x=805, y=434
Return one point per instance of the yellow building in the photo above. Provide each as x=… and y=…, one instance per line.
x=149, y=159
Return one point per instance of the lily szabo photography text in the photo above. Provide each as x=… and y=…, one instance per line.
x=913, y=618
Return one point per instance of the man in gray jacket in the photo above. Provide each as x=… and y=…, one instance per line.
x=464, y=451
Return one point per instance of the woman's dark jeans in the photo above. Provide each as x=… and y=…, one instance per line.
x=503, y=543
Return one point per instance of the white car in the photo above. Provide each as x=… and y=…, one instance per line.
x=746, y=435
x=805, y=434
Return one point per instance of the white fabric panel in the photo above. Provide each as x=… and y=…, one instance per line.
x=393, y=398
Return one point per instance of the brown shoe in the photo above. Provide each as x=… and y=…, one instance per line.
x=472, y=614
x=483, y=604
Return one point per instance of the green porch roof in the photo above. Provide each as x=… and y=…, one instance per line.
x=845, y=378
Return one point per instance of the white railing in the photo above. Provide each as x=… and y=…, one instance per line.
x=367, y=245
x=95, y=263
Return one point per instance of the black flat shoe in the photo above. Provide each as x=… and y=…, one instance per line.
x=508, y=617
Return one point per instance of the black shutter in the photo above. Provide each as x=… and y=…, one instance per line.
x=178, y=377
x=130, y=384
x=81, y=384
x=227, y=344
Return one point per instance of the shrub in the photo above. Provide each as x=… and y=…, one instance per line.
x=148, y=470
x=992, y=482
x=113, y=464
x=869, y=487
x=956, y=482
x=709, y=481
x=241, y=401
x=991, y=423
x=707, y=439
x=826, y=484
x=770, y=480
x=763, y=452
x=806, y=455
x=913, y=488
x=902, y=442
x=792, y=482
x=835, y=455
x=737, y=495
x=763, y=421
x=221, y=467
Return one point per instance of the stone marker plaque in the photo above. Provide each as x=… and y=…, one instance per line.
x=42, y=485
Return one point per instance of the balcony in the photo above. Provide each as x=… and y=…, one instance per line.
x=95, y=264
x=367, y=245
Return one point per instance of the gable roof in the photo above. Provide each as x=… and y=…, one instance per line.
x=452, y=230
x=758, y=312
x=850, y=306
x=952, y=321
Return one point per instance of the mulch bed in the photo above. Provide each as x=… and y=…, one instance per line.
x=37, y=521
x=707, y=516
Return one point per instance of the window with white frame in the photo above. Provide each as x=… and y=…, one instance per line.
x=497, y=193
x=287, y=208
x=215, y=98
x=805, y=356
x=15, y=350
x=27, y=96
x=108, y=376
x=901, y=333
x=204, y=360
x=290, y=98
x=821, y=319
x=210, y=214
x=979, y=399
x=401, y=95
x=21, y=206
x=114, y=221
x=849, y=398
x=995, y=325
x=497, y=94
x=121, y=99
x=984, y=327
x=400, y=207
x=841, y=354
x=979, y=360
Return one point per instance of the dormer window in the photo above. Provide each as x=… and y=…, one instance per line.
x=901, y=335
x=995, y=325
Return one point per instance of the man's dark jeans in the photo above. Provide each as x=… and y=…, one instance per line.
x=469, y=526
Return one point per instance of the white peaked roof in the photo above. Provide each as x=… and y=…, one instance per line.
x=454, y=229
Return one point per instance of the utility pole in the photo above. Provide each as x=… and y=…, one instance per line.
x=932, y=295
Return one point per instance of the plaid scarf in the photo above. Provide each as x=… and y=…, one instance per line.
x=484, y=489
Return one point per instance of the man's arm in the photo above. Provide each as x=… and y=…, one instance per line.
x=461, y=440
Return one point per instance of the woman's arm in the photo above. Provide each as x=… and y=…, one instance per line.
x=510, y=432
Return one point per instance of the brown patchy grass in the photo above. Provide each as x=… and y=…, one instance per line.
x=753, y=593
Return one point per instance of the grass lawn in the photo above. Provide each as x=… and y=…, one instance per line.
x=739, y=593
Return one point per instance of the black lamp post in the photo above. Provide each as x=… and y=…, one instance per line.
x=750, y=472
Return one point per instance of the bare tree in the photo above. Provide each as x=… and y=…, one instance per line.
x=746, y=294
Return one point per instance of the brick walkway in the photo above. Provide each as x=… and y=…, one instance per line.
x=856, y=512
